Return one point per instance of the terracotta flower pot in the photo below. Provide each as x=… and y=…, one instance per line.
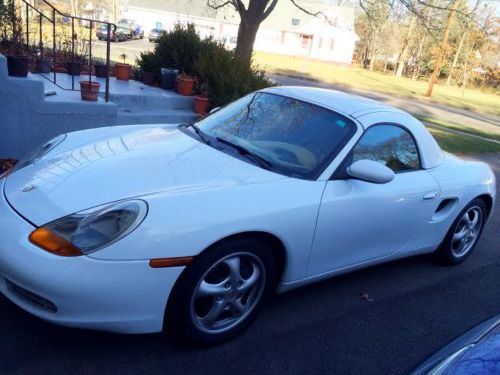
x=89, y=90
x=185, y=85
x=148, y=78
x=201, y=105
x=122, y=71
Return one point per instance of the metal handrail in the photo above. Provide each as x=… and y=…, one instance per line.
x=110, y=27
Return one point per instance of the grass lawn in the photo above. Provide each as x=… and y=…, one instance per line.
x=356, y=77
x=491, y=135
x=461, y=144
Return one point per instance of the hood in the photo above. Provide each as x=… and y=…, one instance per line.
x=122, y=163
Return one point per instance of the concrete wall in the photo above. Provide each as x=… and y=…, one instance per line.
x=27, y=120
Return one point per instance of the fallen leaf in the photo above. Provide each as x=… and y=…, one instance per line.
x=366, y=297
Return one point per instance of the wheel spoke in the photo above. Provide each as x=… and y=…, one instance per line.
x=213, y=314
x=475, y=220
x=460, y=248
x=250, y=281
x=238, y=307
x=207, y=289
x=458, y=236
x=466, y=218
x=234, y=270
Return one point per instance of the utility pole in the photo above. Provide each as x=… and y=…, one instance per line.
x=442, y=49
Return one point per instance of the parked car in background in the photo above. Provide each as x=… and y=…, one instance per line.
x=189, y=227
x=154, y=35
x=135, y=30
x=119, y=35
x=475, y=352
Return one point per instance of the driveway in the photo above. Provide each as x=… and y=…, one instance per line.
x=415, y=307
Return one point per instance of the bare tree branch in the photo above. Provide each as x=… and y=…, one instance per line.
x=269, y=9
x=214, y=5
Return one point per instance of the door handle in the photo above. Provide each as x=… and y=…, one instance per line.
x=430, y=196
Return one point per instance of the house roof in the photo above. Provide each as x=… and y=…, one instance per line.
x=197, y=8
x=285, y=17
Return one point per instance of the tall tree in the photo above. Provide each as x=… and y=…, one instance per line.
x=252, y=13
x=442, y=48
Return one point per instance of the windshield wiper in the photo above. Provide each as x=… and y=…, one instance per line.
x=197, y=131
x=246, y=152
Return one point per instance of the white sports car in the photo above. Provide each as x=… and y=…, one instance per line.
x=187, y=228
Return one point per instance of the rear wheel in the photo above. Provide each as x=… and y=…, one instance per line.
x=464, y=233
x=221, y=292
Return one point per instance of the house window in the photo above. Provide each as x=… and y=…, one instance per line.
x=295, y=21
x=282, y=37
x=320, y=43
x=305, y=40
x=332, y=44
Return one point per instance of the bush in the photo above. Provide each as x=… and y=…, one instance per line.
x=225, y=76
x=219, y=72
x=179, y=49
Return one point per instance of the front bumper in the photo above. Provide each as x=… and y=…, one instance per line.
x=116, y=296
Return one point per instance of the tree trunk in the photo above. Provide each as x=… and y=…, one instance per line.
x=403, y=56
x=455, y=59
x=247, y=31
x=442, y=48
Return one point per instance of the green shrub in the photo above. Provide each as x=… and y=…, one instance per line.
x=179, y=49
x=219, y=71
x=226, y=77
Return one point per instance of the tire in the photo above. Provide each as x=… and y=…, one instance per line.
x=226, y=305
x=464, y=234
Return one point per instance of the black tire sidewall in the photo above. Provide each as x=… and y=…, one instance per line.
x=178, y=322
x=445, y=254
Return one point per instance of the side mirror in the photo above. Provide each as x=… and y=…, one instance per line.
x=370, y=171
x=214, y=110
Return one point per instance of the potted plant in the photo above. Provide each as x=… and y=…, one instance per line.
x=185, y=84
x=89, y=90
x=17, y=62
x=122, y=71
x=169, y=78
x=147, y=67
x=43, y=65
x=101, y=70
x=202, y=101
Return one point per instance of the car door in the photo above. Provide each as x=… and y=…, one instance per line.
x=359, y=221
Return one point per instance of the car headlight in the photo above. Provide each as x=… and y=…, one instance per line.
x=39, y=152
x=91, y=230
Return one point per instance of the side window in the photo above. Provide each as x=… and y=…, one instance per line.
x=390, y=145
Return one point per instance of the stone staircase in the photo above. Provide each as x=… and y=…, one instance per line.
x=33, y=109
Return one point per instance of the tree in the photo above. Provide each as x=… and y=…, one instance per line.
x=252, y=13
x=442, y=48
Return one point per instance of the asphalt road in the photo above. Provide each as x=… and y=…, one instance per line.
x=417, y=307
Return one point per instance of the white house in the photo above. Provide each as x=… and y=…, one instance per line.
x=329, y=36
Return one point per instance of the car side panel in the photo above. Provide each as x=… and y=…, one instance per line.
x=184, y=223
x=463, y=180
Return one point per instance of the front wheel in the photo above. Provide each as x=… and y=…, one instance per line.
x=464, y=233
x=221, y=292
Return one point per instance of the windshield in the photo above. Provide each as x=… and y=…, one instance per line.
x=297, y=138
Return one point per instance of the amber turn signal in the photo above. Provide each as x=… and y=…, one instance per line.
x=53, y=243
x=170, y=262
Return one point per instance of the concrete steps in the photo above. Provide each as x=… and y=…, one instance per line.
x=31, y=118
x=158, y=116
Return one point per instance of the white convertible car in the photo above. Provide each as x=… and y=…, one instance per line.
x=187, y=228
